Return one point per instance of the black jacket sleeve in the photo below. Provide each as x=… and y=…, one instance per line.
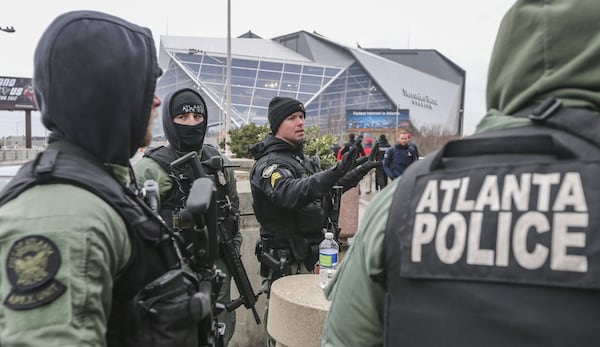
x=281, y=187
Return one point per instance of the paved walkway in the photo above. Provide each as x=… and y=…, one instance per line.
x=365, y=197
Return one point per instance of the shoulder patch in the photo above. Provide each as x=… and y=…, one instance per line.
x=268, y=171
x=274, y=178
x=31, y=264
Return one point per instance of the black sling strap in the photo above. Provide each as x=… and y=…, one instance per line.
x=581, y=122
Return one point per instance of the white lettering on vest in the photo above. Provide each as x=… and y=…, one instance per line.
x=521, y=216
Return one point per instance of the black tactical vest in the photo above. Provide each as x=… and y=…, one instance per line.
x=494, y=240
x=182, y=181
x=63, y=163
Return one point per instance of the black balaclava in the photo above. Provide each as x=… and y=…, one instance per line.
x=94, y=80
x=184, y=138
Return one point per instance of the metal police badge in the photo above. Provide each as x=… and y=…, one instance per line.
x=31, y=265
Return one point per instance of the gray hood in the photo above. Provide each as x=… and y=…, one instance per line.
x=94, y=80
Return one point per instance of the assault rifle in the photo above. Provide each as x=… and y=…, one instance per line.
x=200, y=254
x=201, y=204
x=230, y=253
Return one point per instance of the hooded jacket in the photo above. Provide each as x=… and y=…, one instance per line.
x=90, y=104
x=532, y=61
x=75, y=196
x=513, y=263
x=543, y=48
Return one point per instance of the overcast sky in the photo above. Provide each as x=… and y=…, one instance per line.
x=462, y=30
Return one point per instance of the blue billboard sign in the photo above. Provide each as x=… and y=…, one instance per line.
x=376, y=120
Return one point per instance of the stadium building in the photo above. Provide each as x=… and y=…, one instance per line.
x=343, y=88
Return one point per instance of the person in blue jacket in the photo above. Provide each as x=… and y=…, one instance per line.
x=399, y=157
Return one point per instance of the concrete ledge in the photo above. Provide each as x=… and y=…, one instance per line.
x=245, y=164
x=297, y=311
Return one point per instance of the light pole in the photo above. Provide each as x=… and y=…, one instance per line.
x=17, y=138
x=397, y=115
x=228, y=81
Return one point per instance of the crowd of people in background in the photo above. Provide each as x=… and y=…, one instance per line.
x=395, y=159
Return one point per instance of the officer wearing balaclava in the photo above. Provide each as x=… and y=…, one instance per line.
x=186, y=127
x=185, y=118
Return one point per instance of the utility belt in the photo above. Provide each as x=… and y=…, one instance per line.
x=273, y=261
x=276, y=261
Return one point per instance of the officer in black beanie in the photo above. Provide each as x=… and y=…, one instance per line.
x=185, y=118
x=288, y=189
x=280, y=108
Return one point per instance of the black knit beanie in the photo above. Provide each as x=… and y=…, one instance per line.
x=187, y=101
x=280, y=108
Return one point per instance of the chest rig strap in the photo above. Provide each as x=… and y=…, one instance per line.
x=551, y=112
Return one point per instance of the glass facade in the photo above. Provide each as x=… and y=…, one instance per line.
x=326, y=91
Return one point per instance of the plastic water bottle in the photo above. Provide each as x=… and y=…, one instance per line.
x=328, y=259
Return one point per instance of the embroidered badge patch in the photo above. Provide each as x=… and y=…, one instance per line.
x=31, y=265
x=268, y=171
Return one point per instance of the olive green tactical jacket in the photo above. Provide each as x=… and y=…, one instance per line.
x=79, y=242
x=543, y=48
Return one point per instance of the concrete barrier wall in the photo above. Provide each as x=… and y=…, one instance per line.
x=17, y=156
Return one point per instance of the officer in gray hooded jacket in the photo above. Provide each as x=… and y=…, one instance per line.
x=78, y=248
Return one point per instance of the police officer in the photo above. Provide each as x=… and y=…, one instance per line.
x=185, y=119
x=288, y=190
x=493, y=240
x=79, y=250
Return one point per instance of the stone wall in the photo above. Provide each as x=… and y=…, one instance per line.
x=17, y=156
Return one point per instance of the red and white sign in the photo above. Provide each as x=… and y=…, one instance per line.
x=16, y=93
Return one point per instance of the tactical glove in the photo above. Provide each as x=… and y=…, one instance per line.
x=360, y=161
x=352, y=178
x=349, y=159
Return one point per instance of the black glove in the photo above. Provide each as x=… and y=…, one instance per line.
x=352, y=178
x=348, y=160
x=360, y=161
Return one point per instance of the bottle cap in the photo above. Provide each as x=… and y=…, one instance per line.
x=329, y=235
